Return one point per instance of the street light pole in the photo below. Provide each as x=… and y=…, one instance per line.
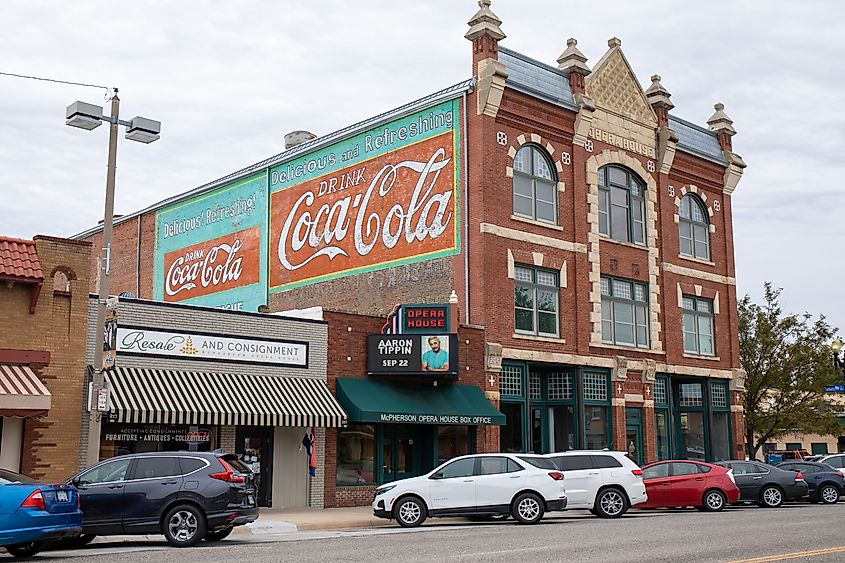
x=103, y=286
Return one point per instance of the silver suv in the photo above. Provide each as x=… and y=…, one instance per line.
x=605, y=483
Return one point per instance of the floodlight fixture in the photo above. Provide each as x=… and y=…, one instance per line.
x=143, y=130
x=84, y=115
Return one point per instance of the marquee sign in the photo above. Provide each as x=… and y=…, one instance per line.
x=385, y=197
x=191, y=345
x=430, y=355
x=419, y=319
x=210, y=250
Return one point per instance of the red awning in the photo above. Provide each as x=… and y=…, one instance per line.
x=21, y=392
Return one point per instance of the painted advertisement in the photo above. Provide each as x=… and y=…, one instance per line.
x=211, y=250
x=384, y=197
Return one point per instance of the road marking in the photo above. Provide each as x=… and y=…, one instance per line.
x=794, y=555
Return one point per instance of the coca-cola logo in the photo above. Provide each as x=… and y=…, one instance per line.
x=216, y=265
x=392, y=207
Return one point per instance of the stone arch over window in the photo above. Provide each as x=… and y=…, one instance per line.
x=694, y=222
x=594, y=164
x=62, y=276
x=535, y=183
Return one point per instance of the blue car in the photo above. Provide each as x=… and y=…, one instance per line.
x=32, y=514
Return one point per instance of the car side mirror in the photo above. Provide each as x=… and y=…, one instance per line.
x=438, y=475
x=75, y=482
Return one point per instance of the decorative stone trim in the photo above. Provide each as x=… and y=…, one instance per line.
x=667, y=144
x=492, y=76
x=493, y=357
x=649, y=371
x=552, y=339
x=738, y=378
x=620, y=369
x=594, y=163
x=531, y=238
x=700, y=357
x=511, y=265
x=698, y=274
x=690, y=188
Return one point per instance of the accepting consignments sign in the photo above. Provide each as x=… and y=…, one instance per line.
x=385, y=197
x=199, y=346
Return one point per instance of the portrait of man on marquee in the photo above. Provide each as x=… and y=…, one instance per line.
x=436, y=356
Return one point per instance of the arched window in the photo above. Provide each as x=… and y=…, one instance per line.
x=621, y=204
x=694, y=228
x=534, y=185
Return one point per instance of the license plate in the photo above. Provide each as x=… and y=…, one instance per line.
x=62, y=496
x=250, y=500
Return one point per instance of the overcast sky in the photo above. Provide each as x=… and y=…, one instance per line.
x=228, y=79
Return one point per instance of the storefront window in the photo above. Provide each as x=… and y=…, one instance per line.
x=452, y=441
x=692, y=435
x=595, y=425
x=661, y=433
x=119, y=439
x=561, y=428
x=510, y=435
x=356, y=454
x=721, y=436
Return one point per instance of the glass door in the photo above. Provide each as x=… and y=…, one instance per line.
x=401, y=454
x=255, y=446
x=634, y=434
x=691, y=428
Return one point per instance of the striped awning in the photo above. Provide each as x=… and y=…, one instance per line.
x=21, y=392
x=181, y=397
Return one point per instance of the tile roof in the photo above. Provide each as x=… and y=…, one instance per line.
x=537, y=79
x=19, y=259
x=696, y=140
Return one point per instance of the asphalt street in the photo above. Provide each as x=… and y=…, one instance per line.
x=802, y=532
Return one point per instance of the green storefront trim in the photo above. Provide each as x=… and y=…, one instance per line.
x=365, y=400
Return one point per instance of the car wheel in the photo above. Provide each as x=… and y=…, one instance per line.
x=713, y=501
x=611, y=503
x=184, y=526
x=25, y=549
x=410, y=512
x=829, y=494
x=771, y=497
x=528, y=508
x=218, y=535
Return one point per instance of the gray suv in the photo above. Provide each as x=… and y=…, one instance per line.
x=187, y=496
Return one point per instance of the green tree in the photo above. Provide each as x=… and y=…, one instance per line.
x=788, y=363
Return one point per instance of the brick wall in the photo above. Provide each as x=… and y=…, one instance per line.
x=51, y=443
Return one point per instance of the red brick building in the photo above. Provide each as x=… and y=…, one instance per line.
x=43, y=307
x=585, y=229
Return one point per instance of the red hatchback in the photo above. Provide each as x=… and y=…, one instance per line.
x=689, y=483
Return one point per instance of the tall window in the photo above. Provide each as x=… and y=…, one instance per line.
x=621, y=205
x=698, y=326
x=624, y=312
x=661, y=417
x=534, y=185
x=596, y=410
x=694, y=228
x=721, y=416
x=535, y=301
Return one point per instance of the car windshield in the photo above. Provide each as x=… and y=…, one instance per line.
x=10, y=478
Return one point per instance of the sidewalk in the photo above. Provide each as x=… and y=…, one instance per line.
x=280, y=520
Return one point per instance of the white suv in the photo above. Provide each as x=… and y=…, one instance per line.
x=476, y=486
x=607, y=483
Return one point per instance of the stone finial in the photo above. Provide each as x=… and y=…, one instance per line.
x=658, y=95
x=573, y=60
x=720, y=122
x=614, y=42
x=453, y=298
x=484, y=22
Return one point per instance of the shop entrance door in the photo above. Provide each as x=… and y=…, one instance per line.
x=402, y=454
x=634, y=434
x=255, y=446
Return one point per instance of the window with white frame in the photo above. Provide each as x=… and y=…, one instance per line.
x=621, y=204
x=535, y=301
x=534, y=185
x=624, y=312
x=698, y=326
x=694, y=228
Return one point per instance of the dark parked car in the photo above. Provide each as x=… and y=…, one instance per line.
x=187, y=496
x=766, y=485
x=826, y=483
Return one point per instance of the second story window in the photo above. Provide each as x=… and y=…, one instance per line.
x=694, y=228
x=621, y=205
x=698, y=326
x=535, y=301
x=534, y=185
x=624, y=312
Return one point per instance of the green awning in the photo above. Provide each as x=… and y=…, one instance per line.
x=366, y=400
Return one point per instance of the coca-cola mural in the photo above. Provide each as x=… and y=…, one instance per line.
x=210, y=250
x=384, y=197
